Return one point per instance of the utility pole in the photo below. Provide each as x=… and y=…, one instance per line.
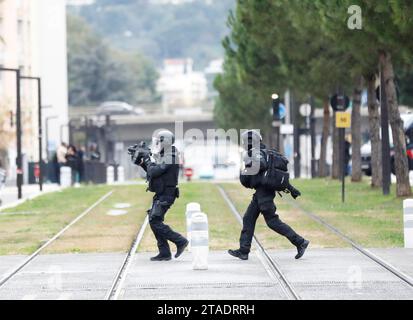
x=340, y=102
x=313, y=140
x=276, y=120
x=297, y=155
x=108, y=144
x=40, y=131
x=19, y=161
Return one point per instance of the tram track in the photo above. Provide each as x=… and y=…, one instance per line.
x=31, y=257
x=365, y=252
x=116, y=288
x=269, y=263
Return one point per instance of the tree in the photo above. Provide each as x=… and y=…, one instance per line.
x=275, y=45
x=161, y=31
x=374, y=124
x=385, y=38
x=356, y=173
x=99, y=73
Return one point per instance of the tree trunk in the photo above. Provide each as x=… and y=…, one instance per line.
x=356, y=174
x=335, y=172
x=324, y=140
x=374, y=126
x=399, y=141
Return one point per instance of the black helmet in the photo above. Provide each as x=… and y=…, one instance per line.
x=250, y=138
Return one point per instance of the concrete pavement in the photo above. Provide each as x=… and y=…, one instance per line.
x=321, y=274
x=226, y=278
x=346, y=274
x=9, y=197
x=62, y=276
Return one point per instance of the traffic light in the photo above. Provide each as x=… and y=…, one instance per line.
x=276, y=107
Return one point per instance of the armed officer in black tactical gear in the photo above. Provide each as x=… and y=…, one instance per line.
x=255, y=156
x=162, y=176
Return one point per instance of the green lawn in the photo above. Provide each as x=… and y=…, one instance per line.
x=25, y=228
x=319, y=236
x=100, y=232
x=366, y=216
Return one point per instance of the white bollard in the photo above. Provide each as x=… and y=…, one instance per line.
x=191, y=208
x=121, y=174
x=408, y=223
x=110, y=175
x=65, y=177
x=199, y=241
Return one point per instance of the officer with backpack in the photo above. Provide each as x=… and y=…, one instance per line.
x=266, y=172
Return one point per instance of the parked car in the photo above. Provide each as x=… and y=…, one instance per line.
x=118, y=108
x=408, y=131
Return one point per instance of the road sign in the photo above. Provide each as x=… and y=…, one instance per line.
x=282, y=112
x=287, y=129
x=305, y=110
x=343, y=119
x=339, y=102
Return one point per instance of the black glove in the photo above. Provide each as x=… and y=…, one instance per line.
x=294, y=192
x=139, y=153
x=145, y=157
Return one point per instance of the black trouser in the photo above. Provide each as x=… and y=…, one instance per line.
x=267, y=207
x=163, y=232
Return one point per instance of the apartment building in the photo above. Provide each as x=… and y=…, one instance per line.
x=33, y=39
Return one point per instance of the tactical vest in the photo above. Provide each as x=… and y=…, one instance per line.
x=167, y=182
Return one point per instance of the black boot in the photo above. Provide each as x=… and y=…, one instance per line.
x=181, y=248
x=238, y=254
x=161, y=257
x=301, y=249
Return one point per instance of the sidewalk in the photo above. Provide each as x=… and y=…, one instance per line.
x=9, y=194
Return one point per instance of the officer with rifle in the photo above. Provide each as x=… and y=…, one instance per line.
x=266, y=172
x=162, y=167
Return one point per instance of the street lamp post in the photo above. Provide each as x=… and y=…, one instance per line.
x=276, y=120
x=19, y=162
x=40, y=133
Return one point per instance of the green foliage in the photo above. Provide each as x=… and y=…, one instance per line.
x=99, y=73
x=273, y=46
x=162, y=31
x=306, y=45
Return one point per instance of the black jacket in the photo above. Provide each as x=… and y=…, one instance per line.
x=162, y=175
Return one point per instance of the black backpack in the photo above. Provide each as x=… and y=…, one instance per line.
x=276, y=176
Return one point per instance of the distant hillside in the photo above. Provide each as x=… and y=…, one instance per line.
x=161, y=30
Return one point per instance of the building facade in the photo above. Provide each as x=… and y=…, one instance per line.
x=33, y=39
x=180, y=86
